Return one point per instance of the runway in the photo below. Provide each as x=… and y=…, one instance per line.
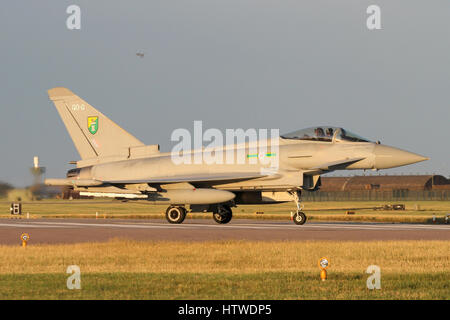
x=88, y=230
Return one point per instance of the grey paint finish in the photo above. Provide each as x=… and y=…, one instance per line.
x=301, y=160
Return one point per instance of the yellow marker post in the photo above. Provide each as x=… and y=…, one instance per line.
x=25, y=237
x=323, y=274
x=324, y=263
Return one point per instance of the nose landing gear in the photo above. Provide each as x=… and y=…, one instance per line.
x=298, y=217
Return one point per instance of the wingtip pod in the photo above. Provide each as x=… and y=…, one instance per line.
x=59, y=93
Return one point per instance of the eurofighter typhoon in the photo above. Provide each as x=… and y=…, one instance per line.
x=115, y=164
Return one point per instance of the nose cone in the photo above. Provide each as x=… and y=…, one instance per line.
x=390, y=157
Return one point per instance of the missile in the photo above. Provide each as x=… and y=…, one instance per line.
x=73, y=182
x=178, y=196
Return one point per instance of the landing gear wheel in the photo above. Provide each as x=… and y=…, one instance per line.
x=175, y=214
x=223, y=214
x=299, y=218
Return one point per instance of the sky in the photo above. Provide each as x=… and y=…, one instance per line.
x=232, y=64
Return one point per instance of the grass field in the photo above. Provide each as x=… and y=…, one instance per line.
x=416, y=211
x=122, y=269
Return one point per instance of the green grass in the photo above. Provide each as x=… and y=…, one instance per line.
x=323, y=211
x=268, y=285
x=226, y=270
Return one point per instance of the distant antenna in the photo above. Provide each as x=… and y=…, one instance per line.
x=37, y=171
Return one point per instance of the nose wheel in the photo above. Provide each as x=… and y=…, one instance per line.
x=298, y=217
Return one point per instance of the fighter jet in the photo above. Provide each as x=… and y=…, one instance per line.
x=115, y=164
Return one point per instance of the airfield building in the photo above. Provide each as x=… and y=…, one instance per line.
x=382, y=188
x=385, y=183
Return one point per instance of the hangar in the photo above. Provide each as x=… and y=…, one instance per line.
x=386, y=183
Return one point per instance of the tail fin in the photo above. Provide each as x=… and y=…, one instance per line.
x=93, y=134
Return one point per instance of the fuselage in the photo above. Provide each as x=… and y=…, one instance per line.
x=296, y=160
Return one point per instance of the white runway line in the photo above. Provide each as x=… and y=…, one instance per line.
x=255, y=226
x=314, y=225
x=281, y=225
x=150, y=226
x=27, y=225
x=95, y=225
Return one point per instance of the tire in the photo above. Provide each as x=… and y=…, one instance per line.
x=223, y=214
x=299, y=218
x=175, y=214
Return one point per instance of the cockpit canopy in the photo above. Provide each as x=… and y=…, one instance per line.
x=324, y=133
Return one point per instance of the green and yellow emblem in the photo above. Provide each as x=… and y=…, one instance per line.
x=93, y=124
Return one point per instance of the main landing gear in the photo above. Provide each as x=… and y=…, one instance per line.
x=299, y=217
x=175, y=214
x=221, y=214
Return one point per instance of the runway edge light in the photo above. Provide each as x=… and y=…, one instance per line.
x=24, y=237
x=324, y=263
